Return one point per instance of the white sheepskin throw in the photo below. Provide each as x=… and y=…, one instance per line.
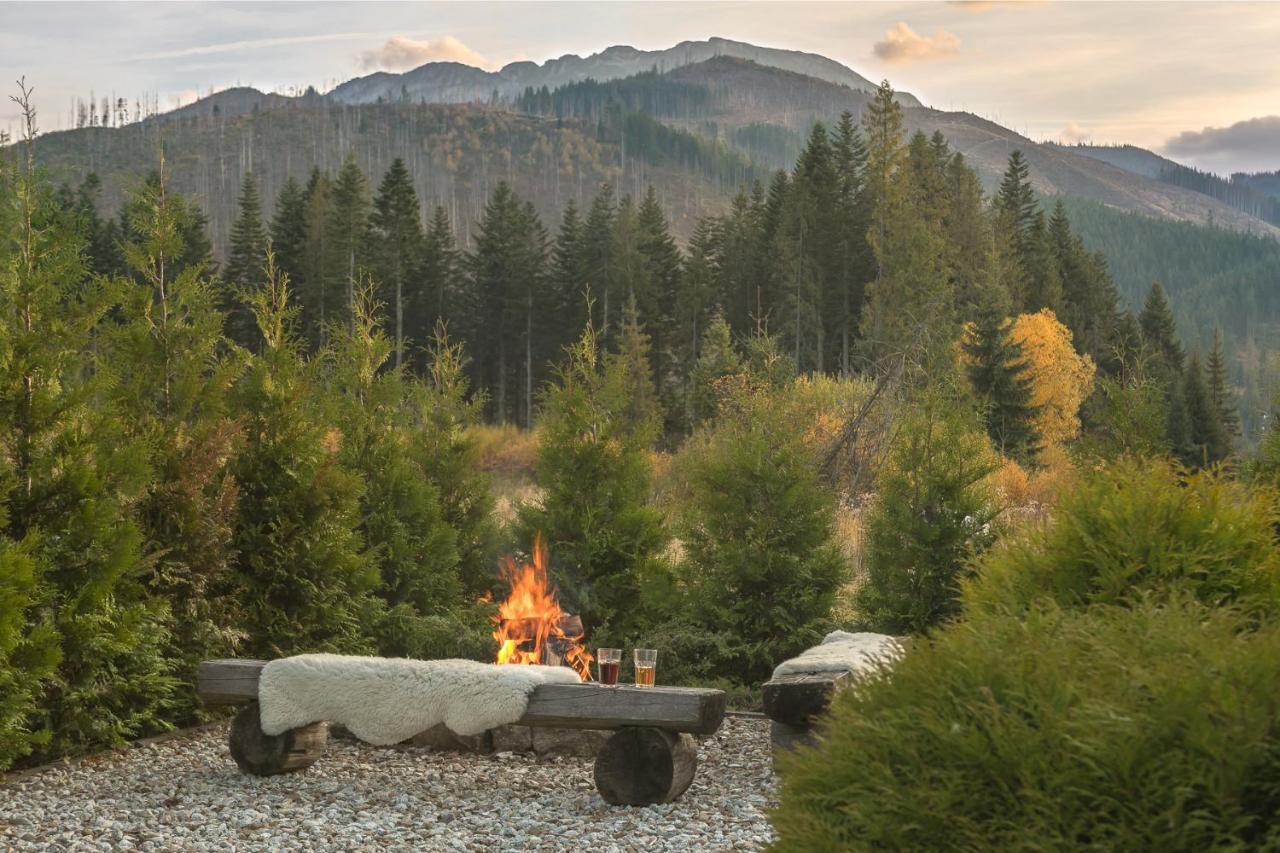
x=386, y=700
x=841, y=651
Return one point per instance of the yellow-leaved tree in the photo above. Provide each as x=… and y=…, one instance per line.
x=1061, y=378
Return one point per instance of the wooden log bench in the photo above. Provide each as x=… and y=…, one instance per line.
x=650, y=758
x=795, y=703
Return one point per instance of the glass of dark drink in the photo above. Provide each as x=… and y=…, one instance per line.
x=609, y=662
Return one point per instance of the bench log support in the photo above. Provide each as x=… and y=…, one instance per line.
x=651, y=758
x=262, y=754
x=642, y=766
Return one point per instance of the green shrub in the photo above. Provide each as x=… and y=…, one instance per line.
x=1140, y=527
x=1151, y=728
x=761, y=565
x=931, y=517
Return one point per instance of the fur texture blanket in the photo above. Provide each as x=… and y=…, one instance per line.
x=386, y=700
x=841, y=651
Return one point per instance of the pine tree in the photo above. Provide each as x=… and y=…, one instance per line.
x=289, y=234
x=999, y=376
x=664, y=266
x=244, y=264
x=1220, y=391
x=716, y=360
x=597, y=256
x=567, y=277
x=1040, y=263
x=854, y=256
x=396, y=247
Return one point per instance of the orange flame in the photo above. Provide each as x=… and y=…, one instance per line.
x=530, y=622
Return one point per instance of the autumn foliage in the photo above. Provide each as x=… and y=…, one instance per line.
x=1061, y=378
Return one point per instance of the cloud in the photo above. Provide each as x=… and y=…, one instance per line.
x=401, y=54
x=979, y=6
x=903, y=44
x=248, y=44
x=1074, y=133
x=1255, y=140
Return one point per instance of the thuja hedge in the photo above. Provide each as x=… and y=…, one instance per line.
x=1111, y=684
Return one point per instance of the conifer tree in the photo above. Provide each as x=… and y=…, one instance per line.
x=312, y=292
x=71, y=479
x=169, y=371
x=567, y=276
x=1040, y=265
x=1159, y=331
x=1208, y=441
x=604, y=539
x=346, y=239
x=999, y=376
x=302, y=573
x=1016, y=197
x=1220, y=390
x=664, y=266
x=401, y=517
x=442, y=293
x=633, y=361
x=396, y=247
x=854, y=258
x=244, y=264
x=717, y=360
x=289, y=234
x=597, y=256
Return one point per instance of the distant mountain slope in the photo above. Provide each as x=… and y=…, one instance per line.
x=450, y=82
x=748, y=94
x=1131, y=158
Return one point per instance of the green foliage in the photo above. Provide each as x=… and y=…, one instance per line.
x=301, y=573
x=932, y=516
x=998, y=373
x=761, y=565
x=1111, y=729
x=604, y=538
x=1140, y=528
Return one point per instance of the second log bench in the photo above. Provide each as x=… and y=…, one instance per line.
x=650, y=758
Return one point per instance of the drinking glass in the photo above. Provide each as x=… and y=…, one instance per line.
x=609, y=662
x=646, y=667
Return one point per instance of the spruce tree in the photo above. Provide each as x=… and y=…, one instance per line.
x=289, y=233
x=441, y=294
x=401, y=516
x=301, y=573
x=1220, y=390
x=315, y=297
x=244, y=263
x=346, y=239
x=1208, y=438
x=1000, y=377
x=605, y=540
x=1016, y=197
x=1159, y=331
x=568, y=283
x=716, y=361
x=665, y=269
x=633, y=361
x=853, y=258
x=169, y=370
x=396, y=248
x=71, y=481
x=597, y=256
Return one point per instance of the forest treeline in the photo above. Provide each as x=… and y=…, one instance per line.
x=279, y=456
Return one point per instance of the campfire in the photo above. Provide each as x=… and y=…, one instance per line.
x=531, y=627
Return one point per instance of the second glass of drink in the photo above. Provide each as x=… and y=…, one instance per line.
x=609, y=662
x=646, y=667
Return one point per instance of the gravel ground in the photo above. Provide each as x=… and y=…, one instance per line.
x=186, y=794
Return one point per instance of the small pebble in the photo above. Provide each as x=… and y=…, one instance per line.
x=186, y=794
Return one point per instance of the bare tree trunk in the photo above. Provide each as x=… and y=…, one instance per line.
x=528, y=362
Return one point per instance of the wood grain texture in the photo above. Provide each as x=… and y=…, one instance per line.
x=798, y=700
x=574, y=706
x=268, y=755
x=641, y=766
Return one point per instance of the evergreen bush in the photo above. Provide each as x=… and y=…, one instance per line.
x=1151, y=728
x=1135, y=528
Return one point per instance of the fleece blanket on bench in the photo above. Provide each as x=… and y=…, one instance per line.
x=841, y=651
x=387, y=700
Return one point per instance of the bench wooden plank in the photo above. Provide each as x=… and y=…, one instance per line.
x=578, y=706
x=797, y=699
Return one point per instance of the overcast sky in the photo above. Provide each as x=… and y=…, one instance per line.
x=1199, y=81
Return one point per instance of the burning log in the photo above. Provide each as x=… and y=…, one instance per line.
x=531, y=626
